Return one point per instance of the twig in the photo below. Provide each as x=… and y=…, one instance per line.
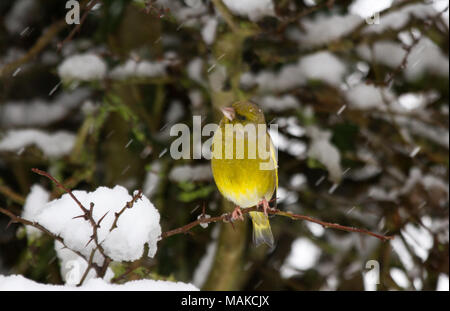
x=130, y=204
x=61, y=186
x=227, y=217
x=88, y=268
x=40, y=44
x=88, y=216
x=18, y=219
x=76, y=29
x=408, y=49
x=9, y=193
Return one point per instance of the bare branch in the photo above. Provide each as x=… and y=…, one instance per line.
x=76, y=29
x=227, y=217
x=18, y=219
x=130, y=204
x=88, y=215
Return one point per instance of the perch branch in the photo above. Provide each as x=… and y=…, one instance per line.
x=227, y=218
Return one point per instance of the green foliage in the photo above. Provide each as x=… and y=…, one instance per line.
x=191, y=192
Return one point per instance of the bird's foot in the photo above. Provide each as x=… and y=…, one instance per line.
x=265, y=206
x=237, y=214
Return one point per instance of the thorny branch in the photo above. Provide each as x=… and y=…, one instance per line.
x=227, y=218
x=88, y=216
x=18, y=219
x=129, y=204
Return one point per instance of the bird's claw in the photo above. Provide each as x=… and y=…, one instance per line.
x=237, y=214
x=265, y=206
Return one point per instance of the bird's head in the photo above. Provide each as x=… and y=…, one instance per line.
x=243, y=112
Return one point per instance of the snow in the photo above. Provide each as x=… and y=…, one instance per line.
x=367, y=8
x=73, y=266
x=425, y=57
x=82, y=67
x=366, y=96
x=420, y=240
x=316, y=229
x=323, y=151
x=442, y=283
x=405, y=257
x=191, y=173
x=141, y=69
x=205, y=264
x=209, y=30
x=303, y=256
x=438, y=135
x=175, y=112
x=34, y=204
x=294, y=147
x=20, y=283
x=399, y=18
x=52, y=145
x=278, y=103
x=38, y=112
x=253, y=9
x=152, y=179
x=323, y=29
x=399, y=276
x=22, y=13
x=188, y=16
x=195, y=70
x=411, y=101
x=217, y=76
x=136, y=226
x=322, y=66
x=298, y=182
x=196, y=98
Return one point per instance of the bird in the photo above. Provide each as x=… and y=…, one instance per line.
x=248, y=178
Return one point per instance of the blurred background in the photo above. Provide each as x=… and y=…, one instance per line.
x=358, y=89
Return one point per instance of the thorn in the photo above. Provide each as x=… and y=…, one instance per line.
x=80, y=216
x=98, y=223
x=89, y=241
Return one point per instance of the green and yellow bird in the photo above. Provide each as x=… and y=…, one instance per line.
x=248, y=179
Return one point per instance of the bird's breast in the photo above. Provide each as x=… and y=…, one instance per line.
x=241, y=173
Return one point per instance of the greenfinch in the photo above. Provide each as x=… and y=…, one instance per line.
x=244, y=165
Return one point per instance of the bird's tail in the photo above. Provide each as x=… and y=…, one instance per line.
x=261, y=229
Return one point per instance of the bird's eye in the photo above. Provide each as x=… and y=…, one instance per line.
x=240, y=117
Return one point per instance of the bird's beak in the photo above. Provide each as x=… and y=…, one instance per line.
x=229, y=113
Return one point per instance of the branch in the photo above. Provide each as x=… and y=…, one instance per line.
x=88, y=215
x=11, y=194
x=61, y=186
x=76, y=29
x=130, y=204
x=227, y=15
x=227, y=218
x=40, y=44
x=18, y=219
